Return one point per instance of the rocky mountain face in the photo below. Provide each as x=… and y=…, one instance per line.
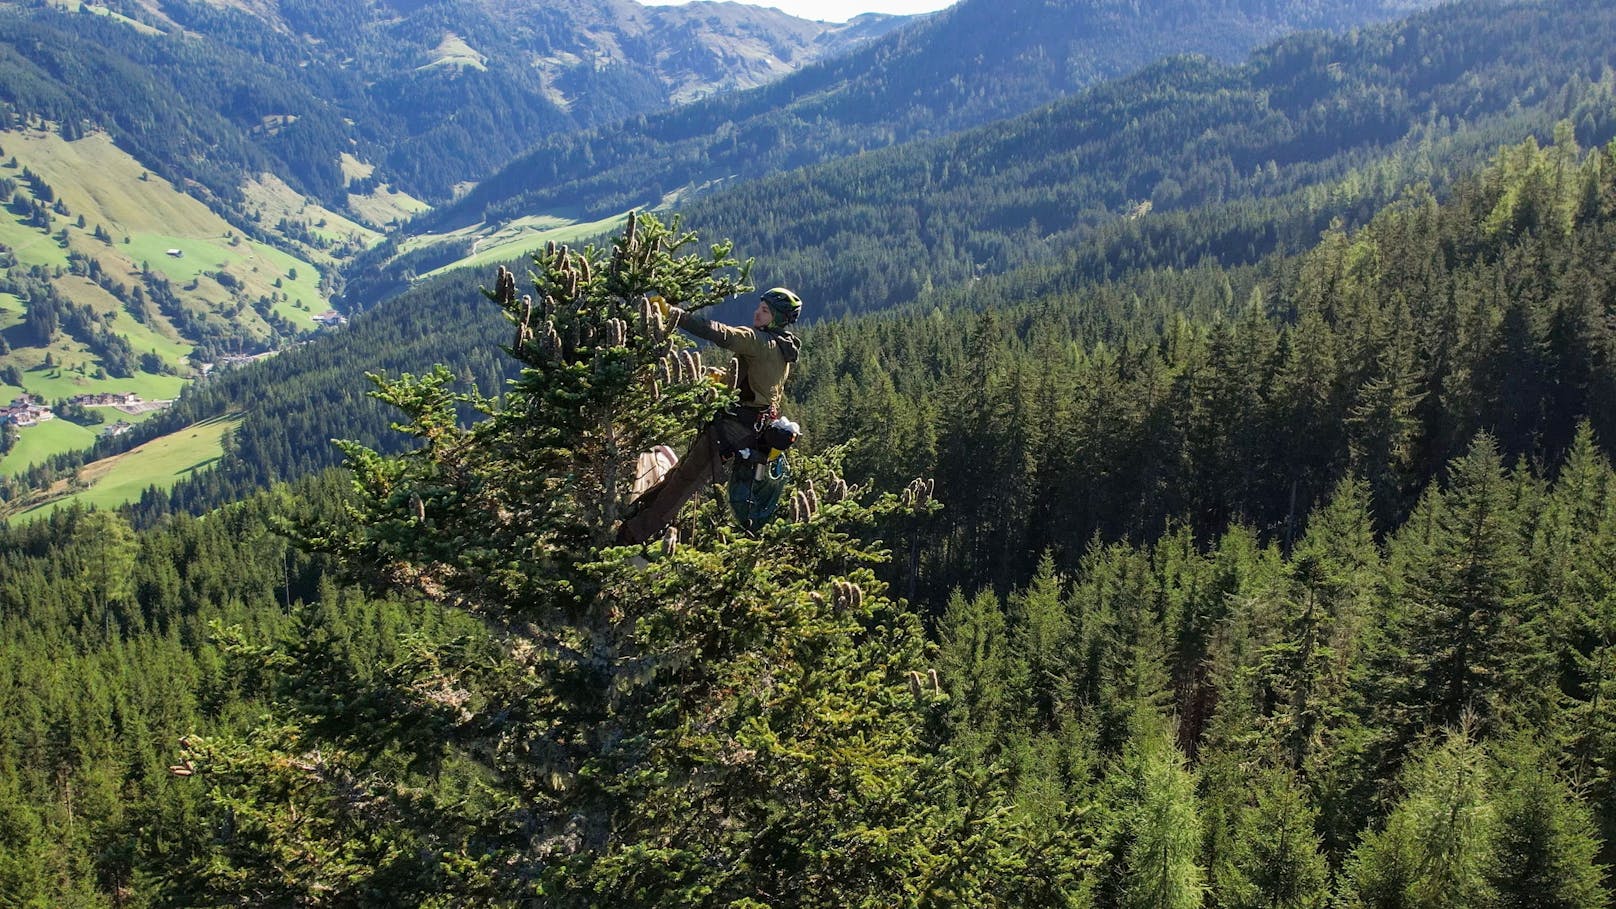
x=682, y=52
x=691, y=51
x=427, y=97
x=976, y=62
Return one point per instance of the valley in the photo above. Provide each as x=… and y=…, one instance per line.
x=1204, y=496
x=147, y=289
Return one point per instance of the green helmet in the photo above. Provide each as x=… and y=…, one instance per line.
x=784, y=304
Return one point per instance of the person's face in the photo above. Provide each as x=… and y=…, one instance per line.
x=763, y=316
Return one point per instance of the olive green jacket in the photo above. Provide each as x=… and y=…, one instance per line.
x=765, y=357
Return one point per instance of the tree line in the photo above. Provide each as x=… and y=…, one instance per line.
x=1269, y=569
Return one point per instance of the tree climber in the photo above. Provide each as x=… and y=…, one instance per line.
x=764, y=354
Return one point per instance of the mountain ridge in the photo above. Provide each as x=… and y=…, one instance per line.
x=971, y=63
x=415, y=91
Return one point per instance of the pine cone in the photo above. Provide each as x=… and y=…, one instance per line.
x=848, y=595
x=919, y=493
x=803, y=507
x=505, y=287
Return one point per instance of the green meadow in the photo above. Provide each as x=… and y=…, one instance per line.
x=11, y=313
x=122, y=478
x=36, y=443
x=56, y=383
x=523, y=236
x=30, y=245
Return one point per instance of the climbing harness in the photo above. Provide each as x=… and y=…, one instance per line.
x=758, y=476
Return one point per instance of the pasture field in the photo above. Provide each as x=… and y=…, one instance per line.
x=56, y=383
x=36, y=443
x=147, y=217
x=30, y=245
x=120, y=479
x=11, y=313
x=523, y=236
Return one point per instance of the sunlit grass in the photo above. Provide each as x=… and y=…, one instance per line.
x=162, y=462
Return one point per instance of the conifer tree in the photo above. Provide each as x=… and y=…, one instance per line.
x=1435, y=849
x=1470, y=627
x=1307, y=670
x=721, y=719
x=976, y=659
x=1574, y=568
x=1383, y=433
x=1041, y=632
x=1544, y=854
x=1159, y=865
x=1273, y=859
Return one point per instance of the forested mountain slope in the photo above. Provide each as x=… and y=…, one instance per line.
x=898, y=226
x=1211, y=395
x=1186, y=160
x=339, y=97
x=978, y=61
x=1272, y=602
x=1264, y=154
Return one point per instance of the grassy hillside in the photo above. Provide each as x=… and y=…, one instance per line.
x=122, y=478
x=87, y=228
x=488, y=245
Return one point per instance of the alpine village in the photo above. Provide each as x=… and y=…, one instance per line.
x=1110, y=454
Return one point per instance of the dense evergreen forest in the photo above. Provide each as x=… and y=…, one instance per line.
x=1213, y=395
x=913, y=221
x=1258, y=550
x=1186, y=160
x=1319, y=546
x=971, y=64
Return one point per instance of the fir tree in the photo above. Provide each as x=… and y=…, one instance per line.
x=1470, y=628
x=724, y=720
x=1545, y=849
x=1273, y=859
x=1159, y=865
x=1436, y=847
x=1041, y=632
x=976, y=660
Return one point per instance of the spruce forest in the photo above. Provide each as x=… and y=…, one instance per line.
x=1251, y=547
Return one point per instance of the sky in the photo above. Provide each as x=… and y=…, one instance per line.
x=834, y=10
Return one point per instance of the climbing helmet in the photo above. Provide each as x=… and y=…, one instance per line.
x=784, y=304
